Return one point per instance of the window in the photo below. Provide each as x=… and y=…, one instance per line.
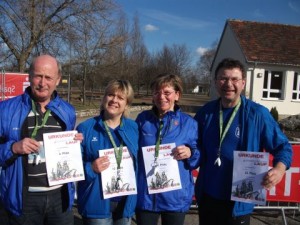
x=296, y=87
x=273, y=85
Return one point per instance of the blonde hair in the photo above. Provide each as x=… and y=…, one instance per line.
x=123, y=86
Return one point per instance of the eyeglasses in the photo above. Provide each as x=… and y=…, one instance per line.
x=166, y=93
x=233, y=80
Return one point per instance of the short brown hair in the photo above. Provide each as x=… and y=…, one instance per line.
x=229, y=63
x=165, y=79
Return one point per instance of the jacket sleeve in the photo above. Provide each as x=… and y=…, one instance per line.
x=261, y=132
x=193, y=144
x=90, y=175
x=275, y=141
x=6, y=155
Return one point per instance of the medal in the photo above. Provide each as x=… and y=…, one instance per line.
x=37, y=159
x=118, y=154
x=223, y=133
x=155, y=165
x=157, y=144
x=119, y=173
x=218, y=162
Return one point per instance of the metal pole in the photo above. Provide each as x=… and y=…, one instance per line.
x=3, y=84
x=69, y=87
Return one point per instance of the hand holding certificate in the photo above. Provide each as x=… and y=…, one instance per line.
x=249, y=169
x=63, y=157
x=118, y=182
x=162, y=172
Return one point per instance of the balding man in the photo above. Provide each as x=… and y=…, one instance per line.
x=24, y=187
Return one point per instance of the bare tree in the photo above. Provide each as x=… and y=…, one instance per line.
x=137, y=54
x=30, y=27
x=96, y=38
x=205, y=61
x=204, y=65
x=175, y=59
x=115, y=61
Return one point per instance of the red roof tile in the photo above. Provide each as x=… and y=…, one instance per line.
x=267, y=42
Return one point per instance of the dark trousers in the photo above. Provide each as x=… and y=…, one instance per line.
x=167, y=218
x=44, y=208
x=3, y=215
x=219, y=212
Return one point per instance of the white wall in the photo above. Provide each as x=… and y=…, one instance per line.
x=229, y=47
x=286, y=106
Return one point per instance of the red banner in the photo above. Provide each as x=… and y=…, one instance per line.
x=12, y=84
x=288, y=190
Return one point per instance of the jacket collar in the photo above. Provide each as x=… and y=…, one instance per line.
x=100, y=121
x=28, y=96
x=169, y=113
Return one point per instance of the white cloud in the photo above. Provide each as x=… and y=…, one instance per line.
x=294, y=7
x=150, y=28
x=201, y=50
x=175, y=20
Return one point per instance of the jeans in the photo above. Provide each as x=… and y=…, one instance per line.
x=116, y=209
x=44, y=208
x=106, y=221
x=167, y=218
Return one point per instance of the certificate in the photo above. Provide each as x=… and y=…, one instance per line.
x=249, y=169
x=63, y=157
x=118, y=182
x=162, y=175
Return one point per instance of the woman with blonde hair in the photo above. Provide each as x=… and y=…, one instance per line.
x=111, y=129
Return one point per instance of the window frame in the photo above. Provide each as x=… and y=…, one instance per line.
x=296, y=79
x=267, y=87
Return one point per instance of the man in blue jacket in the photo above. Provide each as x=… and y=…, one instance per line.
x=230, y=123
x=24, y=188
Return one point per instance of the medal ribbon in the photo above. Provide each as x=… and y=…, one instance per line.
x=44, y=121
x=118, y=151
x=223, y=133
x=158, y=140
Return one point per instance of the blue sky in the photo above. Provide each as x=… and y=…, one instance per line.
x=199, y=23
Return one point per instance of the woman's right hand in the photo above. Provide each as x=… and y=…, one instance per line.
x=100, y=164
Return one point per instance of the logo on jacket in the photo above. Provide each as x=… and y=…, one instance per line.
x=94, y=139
x=237, y=132
x=176, y=122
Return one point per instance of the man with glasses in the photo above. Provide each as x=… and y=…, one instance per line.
x=231, y=123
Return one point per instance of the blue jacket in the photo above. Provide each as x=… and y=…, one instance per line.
x=91, y=203
x=13, y=112
x=181, y=129
x=259, y=131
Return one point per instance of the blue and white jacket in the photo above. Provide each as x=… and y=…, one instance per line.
x=91, y=203
x=178, y=128
x=13, y=113
x=258, y=132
